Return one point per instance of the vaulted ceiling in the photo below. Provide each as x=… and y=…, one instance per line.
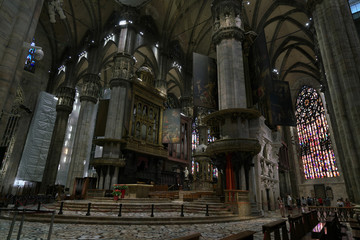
x=286, y=24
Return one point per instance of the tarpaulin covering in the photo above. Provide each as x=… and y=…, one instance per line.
x=38, y=140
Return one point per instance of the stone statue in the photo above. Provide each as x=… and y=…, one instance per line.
x=55, y=6
x=186, y=174
x=228, y=22
x=238, y=21
x=271, y=170
x=266, y=169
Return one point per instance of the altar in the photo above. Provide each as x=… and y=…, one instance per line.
x=138, y=190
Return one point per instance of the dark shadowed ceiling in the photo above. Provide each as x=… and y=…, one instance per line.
x=286, y=24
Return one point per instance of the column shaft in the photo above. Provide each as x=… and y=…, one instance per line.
x=340, y=50
x=85, y=129
x=64, y=107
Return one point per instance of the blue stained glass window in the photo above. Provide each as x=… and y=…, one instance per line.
x=30, y=59
x=317, y=154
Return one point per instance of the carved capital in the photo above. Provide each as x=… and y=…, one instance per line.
x=311, y=4
x=228, y=33
x=91, y=88
x=123, y=66
x=66, y=97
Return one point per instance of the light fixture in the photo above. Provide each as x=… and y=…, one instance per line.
x=122, y=22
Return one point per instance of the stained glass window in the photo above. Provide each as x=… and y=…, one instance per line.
x=30, y=58
x=317, y=154
x=195, y=135
x=215, y=173
x=210, y=137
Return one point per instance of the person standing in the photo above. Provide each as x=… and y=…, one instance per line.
x=289, y=203
x=281, y=207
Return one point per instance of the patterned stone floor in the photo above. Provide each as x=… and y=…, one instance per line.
x=77, y=231
x=37, y=231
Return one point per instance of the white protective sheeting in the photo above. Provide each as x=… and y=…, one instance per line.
x=38, y=140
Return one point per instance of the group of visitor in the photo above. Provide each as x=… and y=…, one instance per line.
x=302, y=203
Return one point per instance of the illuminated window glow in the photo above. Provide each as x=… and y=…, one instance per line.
x=317, y=154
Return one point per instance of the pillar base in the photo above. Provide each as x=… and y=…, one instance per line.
x=239, y=202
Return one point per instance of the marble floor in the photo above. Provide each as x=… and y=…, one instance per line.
x=37, y=231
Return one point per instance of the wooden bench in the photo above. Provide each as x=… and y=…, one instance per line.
x=355, y=226
x=318, y=231
x=297, y=230
x=275, y=227
x=245, y=235
x=313, y=218
x=307, y=221
x=194, y=236
x=356, y=234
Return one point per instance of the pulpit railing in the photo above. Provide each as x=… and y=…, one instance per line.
x=236, y=196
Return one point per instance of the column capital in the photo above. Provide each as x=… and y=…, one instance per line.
x=123, y=66
x=227, y=20
x=66, y=97
x=311, y=4
x=91, y=88
x=228, y=33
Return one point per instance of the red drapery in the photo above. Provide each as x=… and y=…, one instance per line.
x=230, y=184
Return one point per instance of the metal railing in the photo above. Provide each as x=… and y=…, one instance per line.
x=342, y=213
x=22, y=213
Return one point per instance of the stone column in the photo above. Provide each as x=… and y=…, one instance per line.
x=85, y=129
x=242, y=177
x=18, y=21
x=114, y=179
x=66, y=97
x=160, y=82
x=107, y=178
x=340, y=51
x=228, y=39
x=123, y=68
x=101, y=180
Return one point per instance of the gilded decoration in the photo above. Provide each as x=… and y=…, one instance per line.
x=146, y=121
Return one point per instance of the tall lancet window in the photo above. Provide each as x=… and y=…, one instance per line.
x=316, y=151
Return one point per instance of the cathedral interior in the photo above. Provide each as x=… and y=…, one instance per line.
x=252, y=100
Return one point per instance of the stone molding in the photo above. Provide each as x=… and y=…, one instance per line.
x=66, y=98
x=228, y=33
x=116, y=162
x=214, y=119
x=120, y=82
x=311, y=4
x=234, y=145
x=91, y=88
